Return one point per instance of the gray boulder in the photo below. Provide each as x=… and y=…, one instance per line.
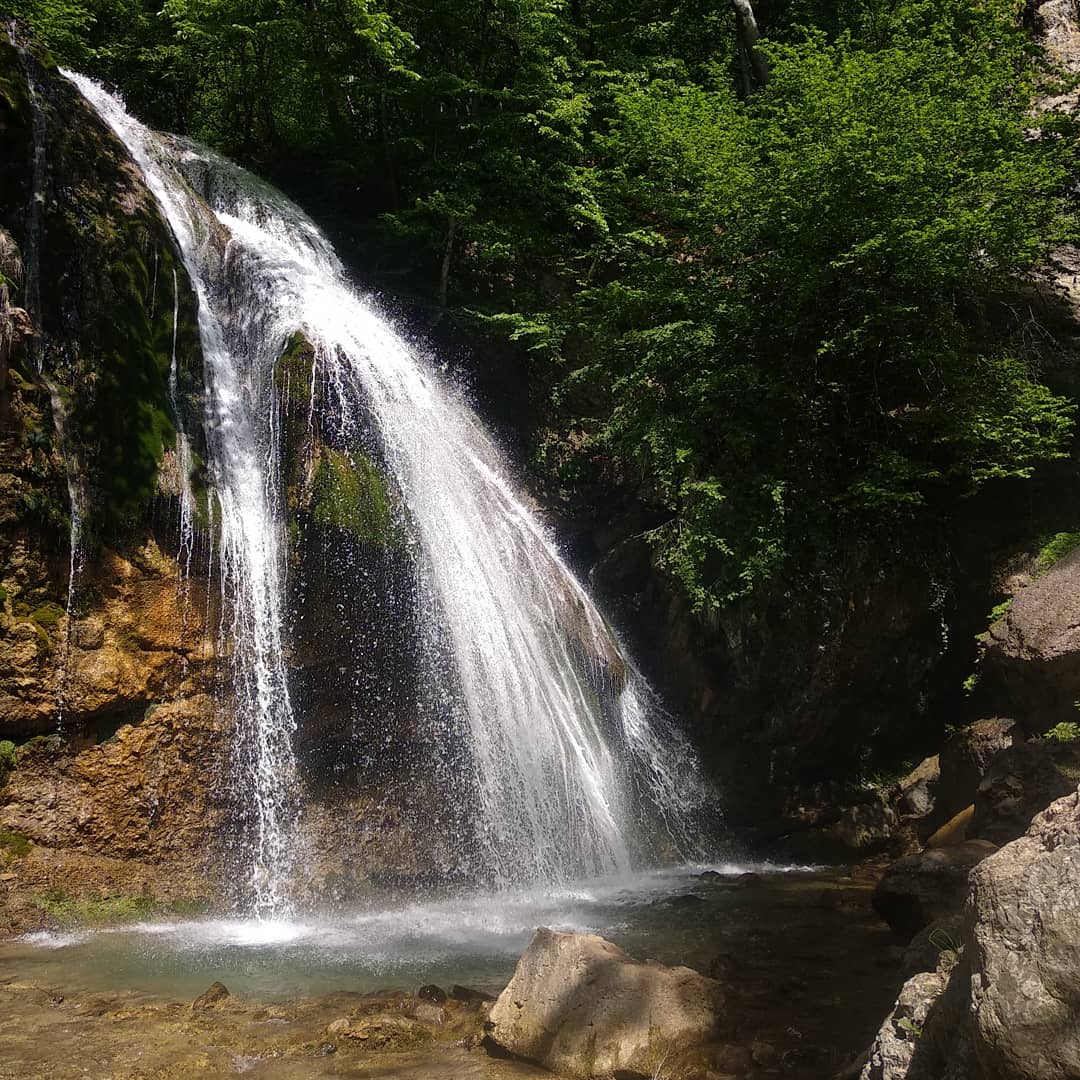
x=1025, y=951
x=1021, y=782
x=925, y=1036
x=898, y=1038
x=580, y=1006
x=866, y=827
x=1032, y=655
x=925, y=950
x=917, y=889
x=964, y=760
x=917, y=792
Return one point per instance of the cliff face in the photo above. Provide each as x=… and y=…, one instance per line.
x=115, y=757
x=118, y=752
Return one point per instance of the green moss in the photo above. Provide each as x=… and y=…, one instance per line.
x=999, y=611
x=14, y=98
x=48, y=616
x=71, y=911
x=350, y=494
x=1055, y=549
x=8, y=760
x=292, y=372
x=14, y=843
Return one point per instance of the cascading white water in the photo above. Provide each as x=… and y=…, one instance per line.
x=565, y=743
x=250, y=549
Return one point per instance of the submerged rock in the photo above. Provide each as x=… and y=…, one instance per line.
x=580, y=1006
x=213, y=995
x=468, y=996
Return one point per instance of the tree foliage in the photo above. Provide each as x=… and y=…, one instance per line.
x=779, y=308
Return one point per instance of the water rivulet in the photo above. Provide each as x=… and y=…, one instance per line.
x=546, y=734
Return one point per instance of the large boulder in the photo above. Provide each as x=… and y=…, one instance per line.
x=1025, y=951
x=964, y=760
x=1032, y=655
x=916, y=794
x=580, y=1006
x=925, y=1036
x=918, y=889
x=1020, y=783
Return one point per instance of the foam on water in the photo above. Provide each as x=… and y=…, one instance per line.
x=457, y=937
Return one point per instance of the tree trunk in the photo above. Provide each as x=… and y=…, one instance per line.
x=748, y=30
x=444, y=273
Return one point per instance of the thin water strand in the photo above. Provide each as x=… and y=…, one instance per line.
x=250, y=549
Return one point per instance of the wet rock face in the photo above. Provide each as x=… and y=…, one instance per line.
x=580, y=1006
x=152, y=793
x=146, y=635
x=1025, y=951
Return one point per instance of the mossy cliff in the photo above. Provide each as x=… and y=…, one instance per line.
x=89, y=283
x=102, y=280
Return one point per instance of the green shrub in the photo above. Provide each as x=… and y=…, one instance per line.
x=1055, y=549
x=1063, y=732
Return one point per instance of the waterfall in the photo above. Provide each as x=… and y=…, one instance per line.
x=569, y=764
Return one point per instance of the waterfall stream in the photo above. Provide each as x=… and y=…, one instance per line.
x=571, y=766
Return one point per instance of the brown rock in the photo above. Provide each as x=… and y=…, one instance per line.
x=1021, y=782
x=964, y=759
x=1032, y=655
x=954, y=831
x=213, y=995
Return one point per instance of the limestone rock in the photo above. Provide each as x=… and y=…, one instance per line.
x=918, y=790
x=918, y=889
x=580, y=1006
x=1021, y=782
x=898, y=1038
x=866, y=827
x=1025, y=951
x=925, y=1036
x=925, y=948
x=964, y=759
x=1032, y=655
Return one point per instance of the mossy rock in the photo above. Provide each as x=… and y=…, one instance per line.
x=292, y=372
x=107, y=319
x=48, y=616
x=349, y=493
x=14, y=844
x=69, y=910
x=8, y=761
x=14, y=97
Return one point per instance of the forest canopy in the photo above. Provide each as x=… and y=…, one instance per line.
x=767, y=285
